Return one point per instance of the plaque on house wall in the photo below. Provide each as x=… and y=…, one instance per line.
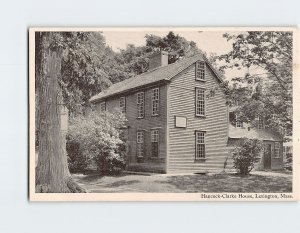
x=180, y=122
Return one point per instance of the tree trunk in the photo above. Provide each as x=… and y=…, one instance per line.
x=52, y=173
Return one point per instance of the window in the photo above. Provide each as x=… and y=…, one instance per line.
x=276, y=150
x=200, y=145
x=140, y=104
x=260, y=122
x=200, y=102
x=200, y=70
x=154, y=142
x=140, y=143
x=102, y=106
x=155, y=101
x=123, y=104
x=238, y=123
x=236, y=102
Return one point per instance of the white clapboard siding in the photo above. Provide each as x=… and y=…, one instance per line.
x=181, y=94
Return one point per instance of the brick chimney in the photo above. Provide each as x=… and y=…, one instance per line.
x=158, y=59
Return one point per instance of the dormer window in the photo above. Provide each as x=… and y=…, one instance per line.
x=200, y=70
x=261, y=124
x=238, y=123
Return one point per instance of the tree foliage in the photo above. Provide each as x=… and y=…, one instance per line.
x=269, y=91
x=135, y=59
x=246, y=154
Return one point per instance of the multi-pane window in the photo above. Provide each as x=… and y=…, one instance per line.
x=276, y=150
x=200, y=70
x=260, y=122
x=102, y=106
x=155, y=101
x=140, y=143
x=122, y=104
x=154, y=142
x=238, y=123
x=140, y=104
x=200, y=145
x=200, y=102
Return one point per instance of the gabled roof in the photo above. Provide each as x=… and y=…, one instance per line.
x=165, y=73
x=253, y=133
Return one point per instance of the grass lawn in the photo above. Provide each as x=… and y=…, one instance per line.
x=215, y=183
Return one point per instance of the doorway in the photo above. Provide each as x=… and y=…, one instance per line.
x=267, y=156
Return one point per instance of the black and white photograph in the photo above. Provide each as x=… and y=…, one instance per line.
x=182, y=114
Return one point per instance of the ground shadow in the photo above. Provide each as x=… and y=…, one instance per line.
x=121, y=183
x=219, y=183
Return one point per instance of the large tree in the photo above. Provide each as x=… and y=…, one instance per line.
x=266, y=88
x=52, y=173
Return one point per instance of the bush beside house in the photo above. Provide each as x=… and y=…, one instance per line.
x=246, y=154
x=288, y=165
x=96, y=139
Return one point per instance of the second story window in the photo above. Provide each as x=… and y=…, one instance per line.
x=261, y=124
x=200, y=102
x=122, y=104
x=238, y=123
x=155, y=101
x=140, y=105
x=200, y=70
x=102, y=106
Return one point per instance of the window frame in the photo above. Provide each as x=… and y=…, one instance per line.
x=155, y=102
x=102, y=103
x=140, y=145
x=202, y=143
x=123, y=108
x=140, y=116
x=261, y=120
x=196, y=101
x=201, y=70
x=276, y=150
x=238, y=122
x=154, y=138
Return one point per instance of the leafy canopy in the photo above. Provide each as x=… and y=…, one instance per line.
x=268, y=92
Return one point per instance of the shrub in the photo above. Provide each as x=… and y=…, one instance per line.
x=288, y=165
x=77, y=162
x=98, y=137
x=246, y=154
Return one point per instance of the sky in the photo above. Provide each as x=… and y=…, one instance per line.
x=210, y=42
x=207, y=41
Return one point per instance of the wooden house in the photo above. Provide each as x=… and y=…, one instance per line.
x=178, y=120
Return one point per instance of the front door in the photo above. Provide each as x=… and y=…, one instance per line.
x=267, y=156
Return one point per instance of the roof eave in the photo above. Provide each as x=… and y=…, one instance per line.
x=213, y=70
x=97, y=100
